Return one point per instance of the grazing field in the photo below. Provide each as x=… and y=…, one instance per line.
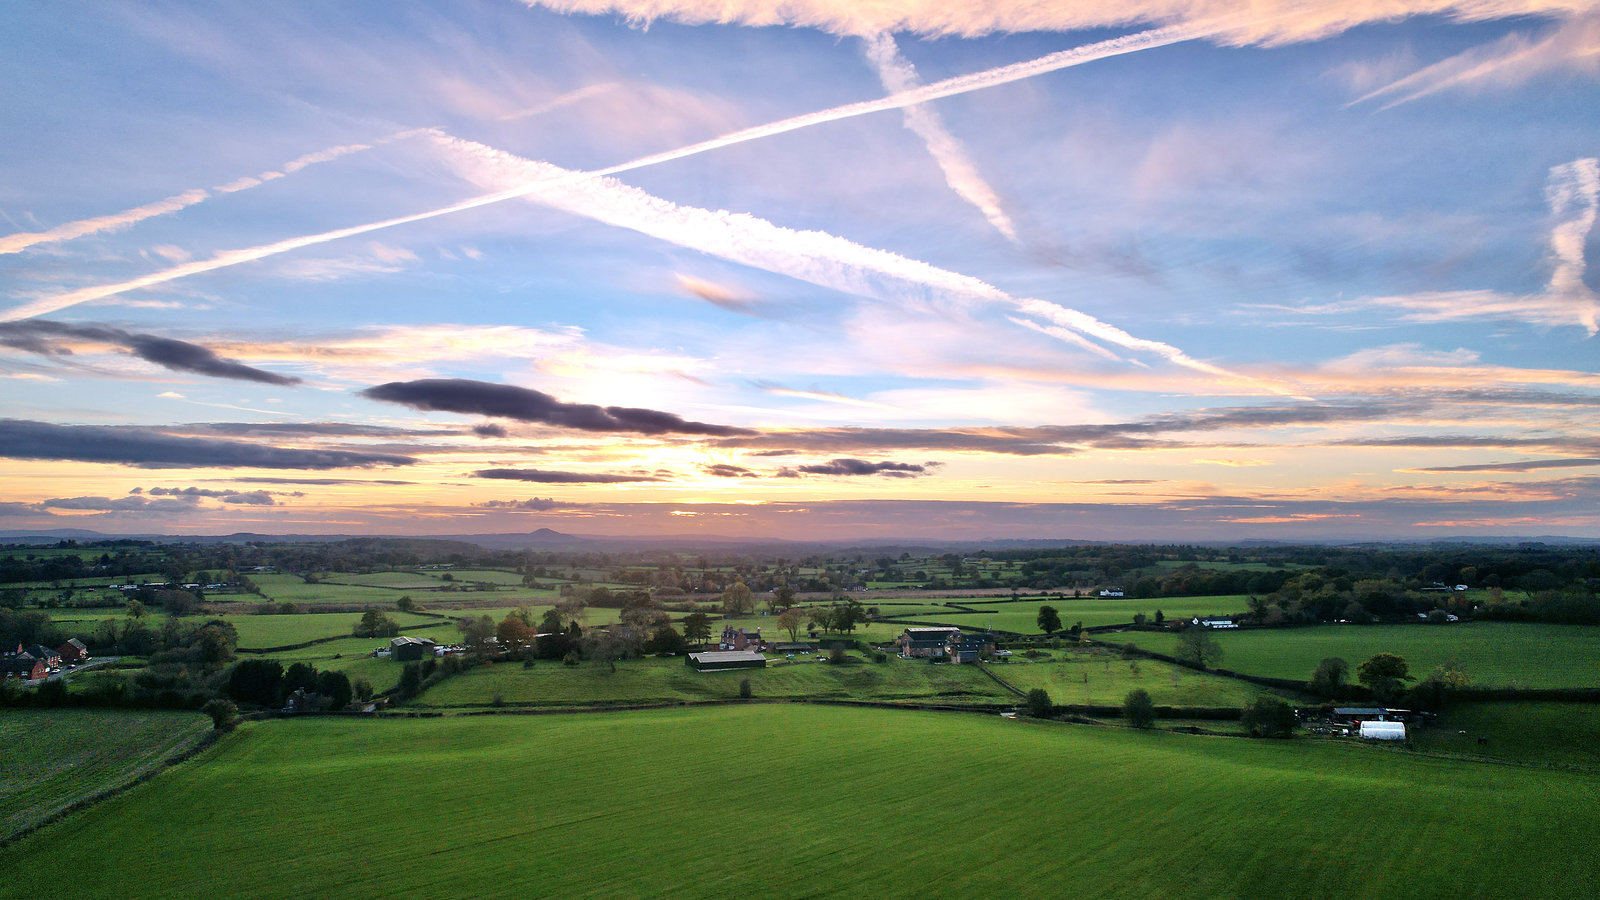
x=1555, y=733
x=292, y=589
x=277, y=630
x=395, y=580
x=353, y=656
x=1103, y=677
x=549, y=683
x=783, y=800
x=874, y=632
x=1493, y=654
x=52, y=758
x=1022, y=615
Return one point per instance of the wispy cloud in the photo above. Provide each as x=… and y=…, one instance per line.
x=545, y=476
x=1573, y=45
x=50, y=339
x=897, y=74
x=150, y=448
x=508, y=401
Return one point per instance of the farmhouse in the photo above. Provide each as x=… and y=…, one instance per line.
x=406, y=648
x=926, y=642
x=22, y=665
x=49, y=657
x=969, y=648
x=740, y=639
x=717, y=660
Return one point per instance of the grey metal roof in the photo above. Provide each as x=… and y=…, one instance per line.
x=715, y=656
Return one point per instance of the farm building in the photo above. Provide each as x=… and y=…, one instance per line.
x=969, y=648
x=74, y=651
x=926, y=642
x=406, y=648
x=794, y=647
x=1111, y=592
x=51, y=658
x=717, y=660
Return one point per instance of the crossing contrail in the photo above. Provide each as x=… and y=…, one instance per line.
x=950, y=87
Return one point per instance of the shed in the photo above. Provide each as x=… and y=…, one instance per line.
x=717, y=660
x=1383, y=731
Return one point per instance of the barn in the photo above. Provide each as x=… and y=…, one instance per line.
x=718, y=660
x=406, y=648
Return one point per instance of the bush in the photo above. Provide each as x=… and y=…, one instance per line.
x=1039, y=703
x=837, y=655
x=1139, y=709
x=222, y=712
x=745, y=693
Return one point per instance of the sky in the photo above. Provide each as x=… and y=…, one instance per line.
x=1157, y=270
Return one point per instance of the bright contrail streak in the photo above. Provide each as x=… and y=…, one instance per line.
x=961, y=84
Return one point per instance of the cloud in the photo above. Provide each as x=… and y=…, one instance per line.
x=507, y=401
x=543, y=476
x=119, y=504
x=1524, y=466
x=246, y=498
x=1574, y=45
x=846, y=466
x=1269, y=22
x=730, y=299
x=489, y=430
x=45, y=338
x=149, y=448
x=532, y=504
x=897, y=74
x=319, y=481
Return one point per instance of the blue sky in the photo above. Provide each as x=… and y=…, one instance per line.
x=1150, y=271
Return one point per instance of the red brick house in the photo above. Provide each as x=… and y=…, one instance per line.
x=73, y=652
x=22, y=665
x=740, y=639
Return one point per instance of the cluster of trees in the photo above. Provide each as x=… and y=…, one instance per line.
x=266, y=683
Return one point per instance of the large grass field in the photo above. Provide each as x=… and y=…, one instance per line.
x=549, y=683
x=263, y=631
x=1103, y=677
x=783, y=800
x=52, y=758
x=1554, y=733
x=352, y=656
x=1493, y=654
x=1022, y=615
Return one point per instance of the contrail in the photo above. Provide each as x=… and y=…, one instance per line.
x=897, y=74
x=15, y=243
x=961, y=84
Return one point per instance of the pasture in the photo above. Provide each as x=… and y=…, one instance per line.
x=1102, y=677
x=654, y=680
x=1554, y=733
x=785, y=800
x=1022, y=615
x=52, y=758
x=1493, y=654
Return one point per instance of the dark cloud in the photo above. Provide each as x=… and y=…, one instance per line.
x=316, y=481
x=488, y=430
x=532, y=504
x=863, y=467
x=543, y=476
x=149, y=448
x=1524, y=466
x=723, y=470
x=460, y=395
x=43, y=337
x=118, y=504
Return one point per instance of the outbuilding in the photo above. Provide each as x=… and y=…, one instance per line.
x=1383, y=731
x=408, y=649
x=718, y=660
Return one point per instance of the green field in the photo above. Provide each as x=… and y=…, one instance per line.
x=1493, y=654
x=1022, y=615
x=782, y=800
x=652, y=679
x=52, y=758
x=353, y=656
x=293, y=589
x=262, y=631
x=1554, y=733
x=1103, y=677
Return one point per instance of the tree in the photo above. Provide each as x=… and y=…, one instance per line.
x=477, y=633
x=1049, y=619
x=782, y=598
x=335, y=688
x=737, y=600
x=666, y=641
x=178, y=603
x=697, y=627
x=405, y=603
x=792, y=620
x=1139, y=709
x=258, y=681
x=513, y=632
x=1197, y=646
x=1268, y=717
x=1039, y=704
x=376, y=624
x=1330, y=676
x=1160, y=617
x=410, y=681
x=1385, y=674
